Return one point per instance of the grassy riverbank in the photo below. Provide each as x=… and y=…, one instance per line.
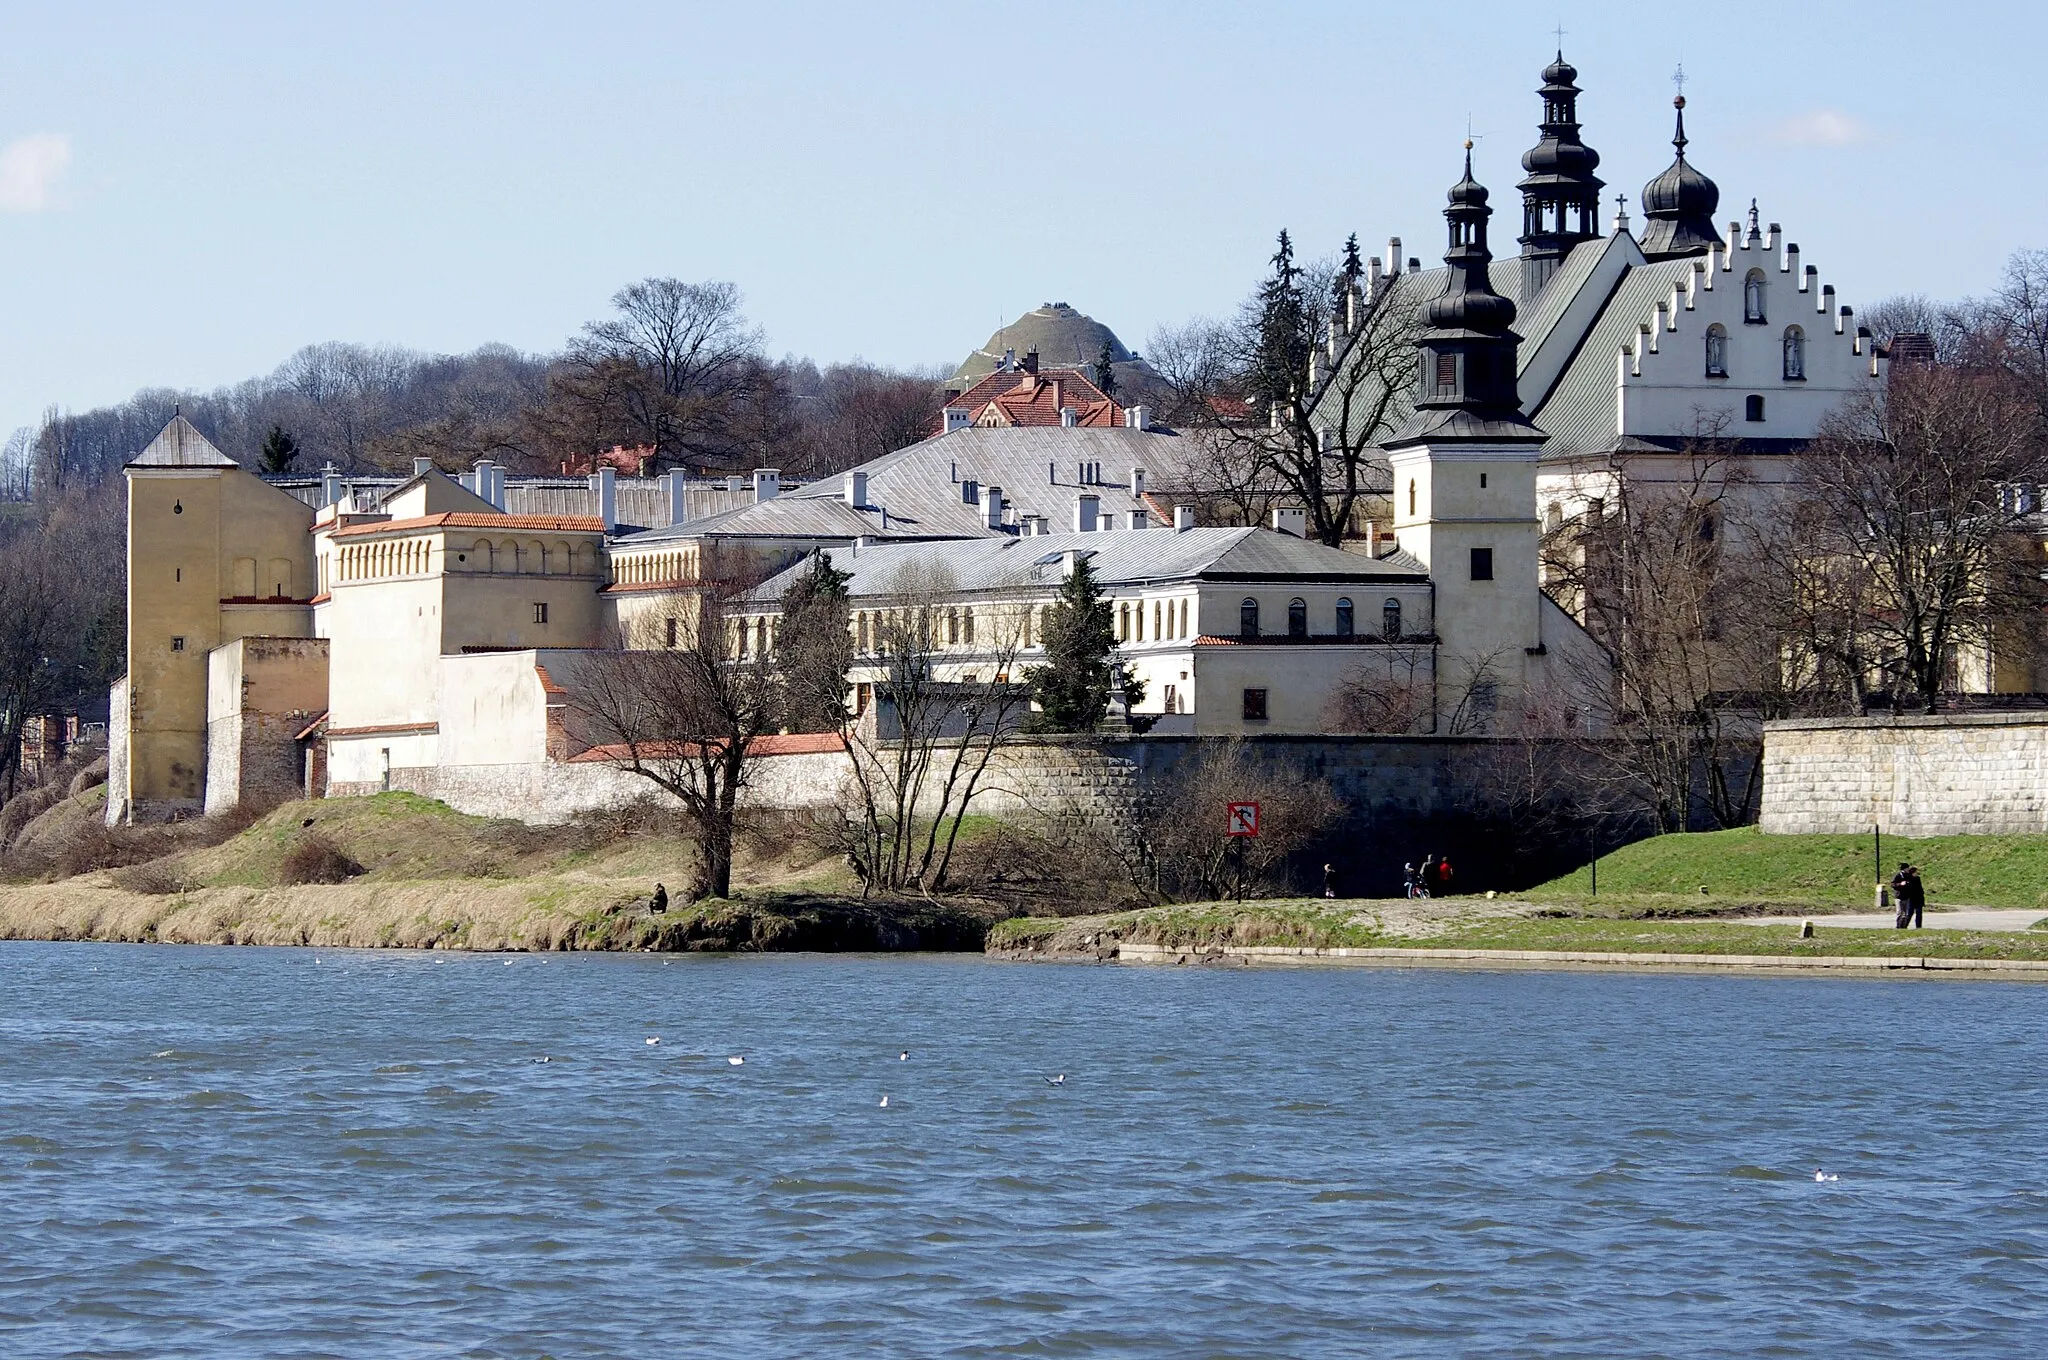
x=428, y=877
x=1475, y=923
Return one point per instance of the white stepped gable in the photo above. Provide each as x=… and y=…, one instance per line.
x=1744, y=333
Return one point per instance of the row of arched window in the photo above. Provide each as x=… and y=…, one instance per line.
x=1793, y=347
x=1297, y=618
x=1169, y=619
x=398, y=557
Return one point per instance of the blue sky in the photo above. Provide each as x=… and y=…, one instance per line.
x=189, y=195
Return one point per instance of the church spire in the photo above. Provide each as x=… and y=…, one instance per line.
x=1465, y=378
x=1679, y=205
x=1561, y=195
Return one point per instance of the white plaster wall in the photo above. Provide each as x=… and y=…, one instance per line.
x=1970, y=774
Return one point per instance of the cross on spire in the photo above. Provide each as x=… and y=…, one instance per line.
x=1560, y=39
x=1678, y=79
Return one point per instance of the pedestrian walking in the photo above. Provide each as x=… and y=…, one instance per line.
x=1329, y=880
x=1917, y=896
x=1431, y=880
x=1902, y=895
x=1443, y=877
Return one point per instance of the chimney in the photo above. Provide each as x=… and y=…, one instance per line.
x=1030, y=364
x=1183, y=518
x=1137, y=519
x=957, y=418
x=857, y=489
x=1033, y=526
x=1052, y=474
x=422, y=466
x=992, y=506
x=1291, y=519
x=734, y=485
x=1394, y=255
x=767, y=484
x=604, y=489
x=1086, y=511
x=1138, y=418
x=1414, y=264
x=1372, y=538
x=1009, y=361
x=483, y=481
x=1070, y=560
x=1372, y=279
x=678, y=496
x=330, y=484
x=1069, y=417
x=1137, y=481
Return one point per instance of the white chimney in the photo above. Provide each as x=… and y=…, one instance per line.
x=497, y=486
x=482, y=486
x=992, y=506
x=1086, y=512
x=422, y=466
x=1291, y=519
x=957, y=418
x=678, y=496
x=1009, y=360
x=1138, y=417
x=1070, y=560
x=734, y=485
x=1069, y=417
x=1137, y=481
x=330, y=484
x=767, y=484
x=857, y=489
x=604, y=489
x=1183, y=518
x=1137, y=519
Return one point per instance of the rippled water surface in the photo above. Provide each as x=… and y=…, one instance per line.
x=241, y=1152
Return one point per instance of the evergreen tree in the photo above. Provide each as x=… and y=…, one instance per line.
x=1348, y=274
x=280, y=451
x=1280, y=365
x=814, y=649
x=1072, y=688
x=1105, y=373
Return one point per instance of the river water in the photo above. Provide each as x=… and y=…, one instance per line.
x=246, y=1152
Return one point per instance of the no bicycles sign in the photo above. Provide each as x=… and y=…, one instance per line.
x=1243, y=819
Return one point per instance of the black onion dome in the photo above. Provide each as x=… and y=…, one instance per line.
x=1679, y=205
x=1559, y=73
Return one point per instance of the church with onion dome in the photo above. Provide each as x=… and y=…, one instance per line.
x=1639, y=347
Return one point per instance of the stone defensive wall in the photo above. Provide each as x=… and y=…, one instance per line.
x=1947, y=775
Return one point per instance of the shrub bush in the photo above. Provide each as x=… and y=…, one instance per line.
x=317, y=859
x=157, y=878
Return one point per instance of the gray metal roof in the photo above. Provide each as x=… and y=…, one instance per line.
x=1582, y=411
x=1120, y=558
x=821, y=517
x=181, y=445
x=1039, y=469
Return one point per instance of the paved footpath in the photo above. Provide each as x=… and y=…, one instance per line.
x=1976, y=918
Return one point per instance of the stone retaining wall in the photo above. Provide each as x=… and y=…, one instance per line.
x=1965, y=774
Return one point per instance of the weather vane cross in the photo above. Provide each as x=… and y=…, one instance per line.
x=1678, y=79
x=1560, y=30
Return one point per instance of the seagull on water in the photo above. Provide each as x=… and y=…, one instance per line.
x=653, y=1039
x=1060, y=1080
x=904, y=1056
x=885, y=1102
x=1824, y=1176
x=737, y=1062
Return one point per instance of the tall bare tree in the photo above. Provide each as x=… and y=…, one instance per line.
x=61, y=597
x=923, y=749
x=1923, y=489
x=689, y=719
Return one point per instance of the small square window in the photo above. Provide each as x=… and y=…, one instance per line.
x=177, y=644
x=1753, y=408
x=1255, y=705
x=1482, y=564
x=540, y=613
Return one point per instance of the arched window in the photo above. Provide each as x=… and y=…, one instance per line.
x=1753, y=298
x=1344, y=621
x=1795, y=354
x=1248, y=618
x=1297, y=618
x=1753, y=408
x=1123, y=623
x=967, y=626
x=1717, y=351
x=1390, y=620
x=952, y=625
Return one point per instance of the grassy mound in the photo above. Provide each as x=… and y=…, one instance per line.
x=1838, y=871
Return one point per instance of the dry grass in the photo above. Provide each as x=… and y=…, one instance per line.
x=316, y=859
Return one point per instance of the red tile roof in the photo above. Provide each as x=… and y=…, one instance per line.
x=465, y=519
x=1022, y=399
x=779, y=744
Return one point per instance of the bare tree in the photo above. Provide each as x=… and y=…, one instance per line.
x=1923, y=490
x=61, y=600
x=1304, y=385
x=689, y=719
x=669, y=367
x=943, y=701
x=1182, y=825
